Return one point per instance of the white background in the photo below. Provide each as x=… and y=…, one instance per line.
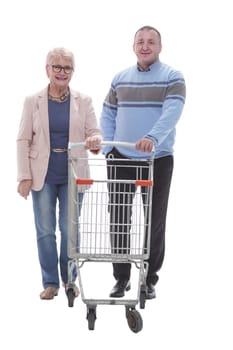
x=194, y=307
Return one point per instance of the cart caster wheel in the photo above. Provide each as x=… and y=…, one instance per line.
x=142, y=299
x=71, y=296
x=91, y=317
x=134, y=320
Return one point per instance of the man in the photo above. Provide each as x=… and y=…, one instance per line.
x=143, y=106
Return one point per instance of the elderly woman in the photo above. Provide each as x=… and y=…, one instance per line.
x=50, y=120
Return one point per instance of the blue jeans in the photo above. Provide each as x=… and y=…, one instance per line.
x=45, y=216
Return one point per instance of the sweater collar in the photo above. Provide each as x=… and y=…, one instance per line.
x=140, y=69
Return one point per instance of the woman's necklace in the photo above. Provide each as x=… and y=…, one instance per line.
x=61, y=98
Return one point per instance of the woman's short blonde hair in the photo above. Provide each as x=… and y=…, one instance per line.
x=60, y=52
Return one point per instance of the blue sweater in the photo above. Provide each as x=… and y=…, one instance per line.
x=144, y=104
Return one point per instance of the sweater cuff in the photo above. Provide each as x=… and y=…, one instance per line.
x=152, y=138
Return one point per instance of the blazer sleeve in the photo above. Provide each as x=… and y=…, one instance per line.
x=91, y=124
x=23, y=141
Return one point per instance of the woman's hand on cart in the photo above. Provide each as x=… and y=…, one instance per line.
x=93, y=143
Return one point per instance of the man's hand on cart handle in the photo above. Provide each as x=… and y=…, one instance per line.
x=145, y=145
x=24, y=188
x=93, y=143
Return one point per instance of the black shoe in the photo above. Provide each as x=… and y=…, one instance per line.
x=150, y=291
x=119, y=289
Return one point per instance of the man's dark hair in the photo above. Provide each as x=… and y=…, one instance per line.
x=148, y=28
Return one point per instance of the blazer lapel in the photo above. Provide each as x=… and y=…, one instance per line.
x=43, y=112
x=74, y=113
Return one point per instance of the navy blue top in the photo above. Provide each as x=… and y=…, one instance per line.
x=59, y=114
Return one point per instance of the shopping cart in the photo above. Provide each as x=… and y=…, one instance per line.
x=97, y=199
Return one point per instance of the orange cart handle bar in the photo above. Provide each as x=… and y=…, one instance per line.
x=142, y=183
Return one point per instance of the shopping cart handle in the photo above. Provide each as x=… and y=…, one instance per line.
x=119, y=144
x=103, y=143
x=106, y=143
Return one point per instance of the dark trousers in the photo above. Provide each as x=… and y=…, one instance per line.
x=163, y=168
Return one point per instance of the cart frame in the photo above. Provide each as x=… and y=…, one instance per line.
x=92, y=241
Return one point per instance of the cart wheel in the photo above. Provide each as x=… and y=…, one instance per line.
x=134, y=320
x=91, y=317
x=142, y=299
x=71, y=296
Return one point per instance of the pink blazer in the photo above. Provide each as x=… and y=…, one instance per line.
x=33, y=144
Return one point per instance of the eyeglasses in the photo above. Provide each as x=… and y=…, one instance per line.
x=58, y=69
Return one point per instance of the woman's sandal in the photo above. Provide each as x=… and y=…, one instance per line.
x=49, y=293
